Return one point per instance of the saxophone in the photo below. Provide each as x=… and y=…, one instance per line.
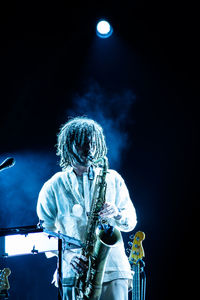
x=100, y=237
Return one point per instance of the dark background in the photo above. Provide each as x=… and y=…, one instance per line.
x=141, y=84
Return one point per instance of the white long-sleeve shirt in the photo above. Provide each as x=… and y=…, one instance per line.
x=65, y=191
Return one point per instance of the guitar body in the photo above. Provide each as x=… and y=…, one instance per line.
x=4, y=284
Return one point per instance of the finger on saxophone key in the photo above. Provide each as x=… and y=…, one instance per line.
x=79, y=264
x=84, y=258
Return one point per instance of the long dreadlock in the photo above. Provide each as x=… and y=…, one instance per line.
x=79, y=131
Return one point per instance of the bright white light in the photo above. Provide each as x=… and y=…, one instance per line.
x=104, y=29
x=29, y=244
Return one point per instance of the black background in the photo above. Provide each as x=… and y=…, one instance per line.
x=48, y=53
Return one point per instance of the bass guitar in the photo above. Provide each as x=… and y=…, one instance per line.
x=137, y=266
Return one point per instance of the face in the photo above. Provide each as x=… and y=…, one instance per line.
x=83, y=155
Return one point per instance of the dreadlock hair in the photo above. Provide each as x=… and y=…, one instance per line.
x=78, y=130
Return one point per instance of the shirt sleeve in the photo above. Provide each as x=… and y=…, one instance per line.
x=128, y=219
x=46, y=207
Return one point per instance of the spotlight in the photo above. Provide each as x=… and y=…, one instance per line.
x=104, y=29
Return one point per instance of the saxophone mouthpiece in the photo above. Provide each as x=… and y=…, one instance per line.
x=90, y=157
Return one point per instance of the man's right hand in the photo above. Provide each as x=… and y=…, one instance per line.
x=79, y=264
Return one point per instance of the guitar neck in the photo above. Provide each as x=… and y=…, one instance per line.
x=136, y=282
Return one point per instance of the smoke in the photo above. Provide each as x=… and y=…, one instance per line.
x=112, y=111
x=20, y=186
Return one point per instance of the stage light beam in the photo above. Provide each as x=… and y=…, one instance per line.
x=104, y=29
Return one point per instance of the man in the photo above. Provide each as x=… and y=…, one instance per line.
x=65, y=199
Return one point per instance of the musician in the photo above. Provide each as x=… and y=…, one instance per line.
x=64, y=203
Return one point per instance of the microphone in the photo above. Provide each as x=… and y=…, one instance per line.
x=7, y=163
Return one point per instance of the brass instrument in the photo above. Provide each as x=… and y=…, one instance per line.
x=99, y=239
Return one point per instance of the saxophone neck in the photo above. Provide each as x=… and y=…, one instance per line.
x=103, y=163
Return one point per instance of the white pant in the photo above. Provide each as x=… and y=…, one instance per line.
x=113, y=290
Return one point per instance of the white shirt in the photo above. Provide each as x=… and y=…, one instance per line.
x=55, y=207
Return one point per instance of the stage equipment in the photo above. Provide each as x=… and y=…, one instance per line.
x=137, y=265
x=35, y=239
x=104, y=29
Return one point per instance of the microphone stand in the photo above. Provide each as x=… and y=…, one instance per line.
x=60, y=290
